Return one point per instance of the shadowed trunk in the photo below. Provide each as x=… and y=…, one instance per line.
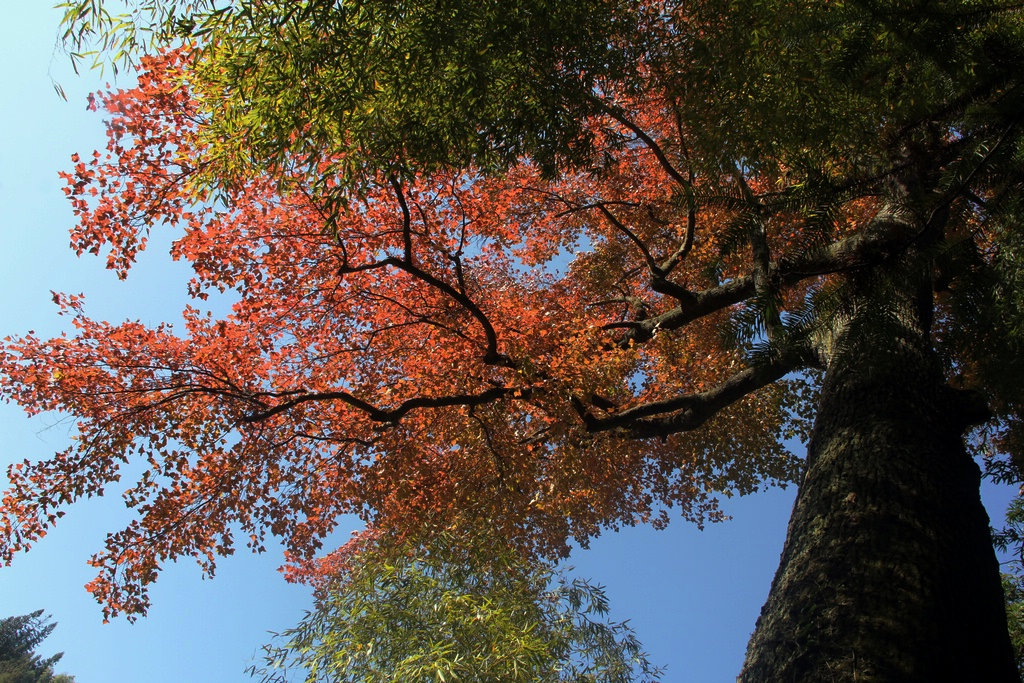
x=888, y=572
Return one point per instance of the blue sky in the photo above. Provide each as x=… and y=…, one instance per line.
x=691, y=595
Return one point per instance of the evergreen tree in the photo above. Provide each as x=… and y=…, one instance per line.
x=19, y=638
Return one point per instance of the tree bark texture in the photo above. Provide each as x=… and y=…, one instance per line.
x=888, y=571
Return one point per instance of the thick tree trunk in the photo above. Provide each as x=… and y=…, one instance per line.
x=888, y=572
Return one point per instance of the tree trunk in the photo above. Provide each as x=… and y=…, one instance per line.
x=888, y=571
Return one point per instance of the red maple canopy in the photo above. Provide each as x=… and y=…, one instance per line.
x=446, y=345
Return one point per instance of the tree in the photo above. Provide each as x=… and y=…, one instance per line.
x=19, y=637
x=466, y=607
x=773, y=211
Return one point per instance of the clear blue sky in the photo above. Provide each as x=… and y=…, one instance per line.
x=692, y=596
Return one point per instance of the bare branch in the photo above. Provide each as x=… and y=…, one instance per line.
x=491, y=354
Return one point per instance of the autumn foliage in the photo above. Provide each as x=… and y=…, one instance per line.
x=595, y=297
x=423, y=347
x=552, y=268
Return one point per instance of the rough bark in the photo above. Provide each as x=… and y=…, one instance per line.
x=888, y=572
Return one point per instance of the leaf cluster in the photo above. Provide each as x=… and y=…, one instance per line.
x=835, y=87
x=407, y=86
x=95, y=34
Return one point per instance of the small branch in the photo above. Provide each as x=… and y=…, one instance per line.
x=499, y=463
x=460, y=277
x=963, y=187
x=652, y=265
x=669, y=264
x=406, y=219
x=491, y=354
x=659, y=282
x=658, y=152
x=366, y=443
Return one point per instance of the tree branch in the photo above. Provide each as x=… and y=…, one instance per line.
x=669, y=264
x=656, y=149
x=758, y=237
x=689, y=411
x=652, y=266
x=384, y=415
x=406, y=219
x=881, y=239
x=491, y=354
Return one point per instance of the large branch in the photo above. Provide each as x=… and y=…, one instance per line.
x=884, y=237
x=689, y=411
x=388, y=415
